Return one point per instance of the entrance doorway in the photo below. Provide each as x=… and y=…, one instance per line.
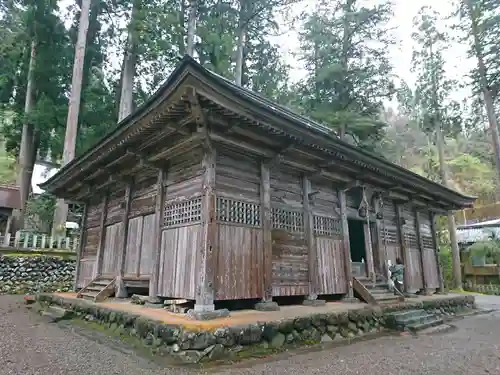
x=357, y=247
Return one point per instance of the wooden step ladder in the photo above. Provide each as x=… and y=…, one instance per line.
x=375, y=293
x=98, y=289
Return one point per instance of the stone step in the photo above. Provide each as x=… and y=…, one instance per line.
x=405, y=316
x=427, y=324
x=385, y=297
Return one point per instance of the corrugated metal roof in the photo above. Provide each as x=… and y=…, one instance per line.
x=10, y=197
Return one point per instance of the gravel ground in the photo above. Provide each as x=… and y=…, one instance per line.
x=29, y=345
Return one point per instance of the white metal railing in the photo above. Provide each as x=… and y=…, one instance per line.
x=27, y=240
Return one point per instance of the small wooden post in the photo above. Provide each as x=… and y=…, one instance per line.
x=420, y=242
x=404, y=249
x=435, y=243
x=160, y=199
x=124, y=232
x=102, y=234
x=379, y=247
x=267, y=246
x=347, y=245
x=205, y=293
x=8, y=225
x=309, y=235
x=17, y=239
x=83, y=235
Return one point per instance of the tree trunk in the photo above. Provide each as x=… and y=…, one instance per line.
x=191, y=31
x=129, y=67
x=182, y=15
x=61, y=209
x=487, y=95
x=344, y=61
x=27, y=141
x=240, y=44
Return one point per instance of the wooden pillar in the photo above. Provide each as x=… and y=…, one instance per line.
x=159, y=208
x=346, y=242
x=421, y=248
x=81, y=244
x=205, y=293
x=267, y=241
x=435, y=243
x=380, y=250
x=309, y=236
x=102, y=234
x=124, y=232
x=8, y=225
x=404, y=249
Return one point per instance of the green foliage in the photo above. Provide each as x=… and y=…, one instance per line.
x=488, y=249
x=40, y=212
x=344, y=48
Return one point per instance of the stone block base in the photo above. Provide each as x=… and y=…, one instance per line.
x=266, y=306
x=350, y=300
x=208, y=315
x=314, y=302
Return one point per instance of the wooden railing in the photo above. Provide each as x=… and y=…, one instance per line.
x=363, y=292
x=27, y=240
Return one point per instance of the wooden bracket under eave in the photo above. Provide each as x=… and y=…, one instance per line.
x=200, y=116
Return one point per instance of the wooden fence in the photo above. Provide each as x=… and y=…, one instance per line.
x=27, y=240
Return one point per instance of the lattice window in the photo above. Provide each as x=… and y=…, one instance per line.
x=327, y=226
x=427, y=242
x=232, y=211
x=411, y=240
x=182, y=213
x=290, y=221
x=390, y=236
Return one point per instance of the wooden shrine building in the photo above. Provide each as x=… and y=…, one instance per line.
x=210, y=192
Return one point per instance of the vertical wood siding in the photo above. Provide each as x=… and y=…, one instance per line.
x=86, y=272
x=134, y=242
x=413, y=266
x=290, y=273
x=178, y=264
x=111, y=252
x=429, y=252
x=331, y=263
x=239, y=263
x=147, y=246
x=390, y=234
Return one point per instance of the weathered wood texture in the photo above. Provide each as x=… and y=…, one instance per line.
x=413, y=262
x=140, y=243
x=329, y=243
x=428, y=252
x=143, y=196
x=86, y=272
x=267, y=239
x=185, y=177
x=94, y=212
x=180, y=261
x=238, y=177
x=111, y=253
x=91, y=242
x=290, y=256
x=240, y=262
x=390, y=233
x=115, y=208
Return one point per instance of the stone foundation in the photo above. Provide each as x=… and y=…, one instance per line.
x=190, y=343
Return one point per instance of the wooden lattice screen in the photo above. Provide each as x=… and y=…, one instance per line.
x=233, y=211
x=325, y=226
x=182, y=213
x=290, y=221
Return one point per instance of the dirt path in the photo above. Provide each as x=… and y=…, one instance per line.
x=29, y=345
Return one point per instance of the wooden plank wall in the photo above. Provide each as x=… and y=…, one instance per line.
x=240, y=258
x=328, y=238
x=112, y=245
x=414, y=265
x=428, y=252
x=290, y=256
x=179, y=262
x=181, y=232
x=90, y=244
x=390, y=234
x=143, y=194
